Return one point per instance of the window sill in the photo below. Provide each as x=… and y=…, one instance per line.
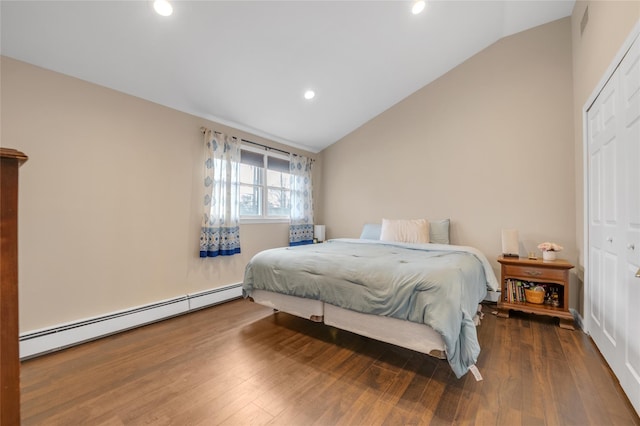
x=263, y=220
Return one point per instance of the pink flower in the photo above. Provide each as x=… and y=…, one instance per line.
x=549, y=246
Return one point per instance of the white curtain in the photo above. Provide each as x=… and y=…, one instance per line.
x=220, y=232
x=301, y=227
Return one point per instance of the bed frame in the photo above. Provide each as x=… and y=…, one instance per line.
x=410, y=335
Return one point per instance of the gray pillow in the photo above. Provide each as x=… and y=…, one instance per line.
x=371, y=231
x=438, y=231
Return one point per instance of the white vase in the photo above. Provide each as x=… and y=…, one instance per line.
x=549, y=255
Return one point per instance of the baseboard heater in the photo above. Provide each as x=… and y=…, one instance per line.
x=59, y=337
x=492, y=296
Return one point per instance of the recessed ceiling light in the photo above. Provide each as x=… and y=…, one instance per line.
x=418, y=6
x=309, y=94
x=163, y=7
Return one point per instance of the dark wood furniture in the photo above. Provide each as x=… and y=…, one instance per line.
x=10, y=160
x=548, y=273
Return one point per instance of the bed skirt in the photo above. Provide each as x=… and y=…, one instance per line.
x=410, y=335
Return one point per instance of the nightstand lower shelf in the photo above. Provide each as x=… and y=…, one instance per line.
x=565, y=317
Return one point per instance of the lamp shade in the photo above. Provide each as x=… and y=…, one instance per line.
x=318, y=232
x=510, y=242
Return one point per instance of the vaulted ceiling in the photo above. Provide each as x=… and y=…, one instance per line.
x=247, y=64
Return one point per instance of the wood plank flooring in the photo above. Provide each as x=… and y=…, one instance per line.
x=239, y=363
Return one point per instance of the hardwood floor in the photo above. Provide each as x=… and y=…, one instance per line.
x=238, y=363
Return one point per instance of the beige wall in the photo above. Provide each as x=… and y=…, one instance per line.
x=110, y=201
x=489, y=145
x=609, y=24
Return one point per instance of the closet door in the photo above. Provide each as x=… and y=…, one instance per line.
x=613, y=289
x=630, y=110
x=604, y=210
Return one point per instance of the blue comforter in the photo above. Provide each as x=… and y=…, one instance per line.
x=437, y=285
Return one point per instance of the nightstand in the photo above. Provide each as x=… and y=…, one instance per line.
x=521, y=274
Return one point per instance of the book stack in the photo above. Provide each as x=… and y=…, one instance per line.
x=515, y=290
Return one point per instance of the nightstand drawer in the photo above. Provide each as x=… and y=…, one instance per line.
x=534, y=273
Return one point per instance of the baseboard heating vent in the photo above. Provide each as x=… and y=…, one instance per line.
x=63, y=336
x=492, y=296
x=211, y=297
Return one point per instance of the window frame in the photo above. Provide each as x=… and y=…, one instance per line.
x=263, y=217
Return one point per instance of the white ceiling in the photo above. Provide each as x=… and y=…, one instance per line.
x=247, y=63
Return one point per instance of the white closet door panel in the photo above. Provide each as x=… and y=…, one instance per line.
x=632, y=347
x=595, y=190
x=633, y=175
x=596, y=138
x=609, y=178
x=595, y=126
x=595, y=286
x=629, y=376
x=609, y=107
x=613, y=149
x=630, y=83
x=630, y=71
x=632, y=193
x=609, y=294
x=604, y=285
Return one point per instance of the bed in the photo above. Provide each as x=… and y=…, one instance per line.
x=422, y=296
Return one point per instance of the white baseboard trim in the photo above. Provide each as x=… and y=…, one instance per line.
x=62, y=336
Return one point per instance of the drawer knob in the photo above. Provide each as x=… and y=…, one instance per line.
x=533, y=273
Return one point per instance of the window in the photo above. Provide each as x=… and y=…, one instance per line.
x=265, y=185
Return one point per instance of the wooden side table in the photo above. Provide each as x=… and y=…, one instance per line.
x=518, y=274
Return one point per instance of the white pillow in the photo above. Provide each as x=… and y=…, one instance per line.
x=405, y=230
